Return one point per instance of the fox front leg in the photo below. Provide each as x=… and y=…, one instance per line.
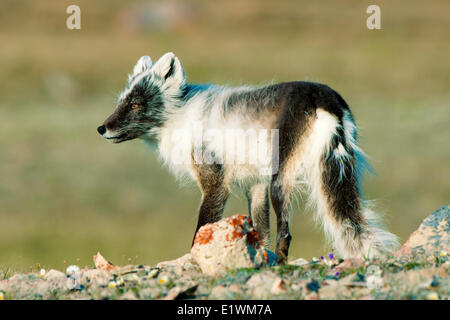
x=215, y=193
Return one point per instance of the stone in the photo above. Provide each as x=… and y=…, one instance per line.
x=312, y=296
x=187, y=258
x=181, y=292
x=221, y=292
x=53, y=274
x=228, y=244
x=299, y=262
x=431, y=238
x=129, y=295
x=95, y=276
x=260, y=285
x=349, y=263
x=18, y=277
x=411, y=278
x=150, y=293
x=121, y=271
x=279, y=286
x=172, y=294
x=103, y=264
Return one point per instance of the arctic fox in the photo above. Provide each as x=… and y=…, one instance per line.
x=285, y=138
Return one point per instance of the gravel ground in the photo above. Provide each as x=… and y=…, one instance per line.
x=417, y=278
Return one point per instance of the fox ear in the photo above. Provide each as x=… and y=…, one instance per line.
x=170, y=69
x=143, y=64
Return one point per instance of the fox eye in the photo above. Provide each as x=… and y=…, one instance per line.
x=134, y=106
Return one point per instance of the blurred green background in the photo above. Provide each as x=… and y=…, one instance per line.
x=65, y=193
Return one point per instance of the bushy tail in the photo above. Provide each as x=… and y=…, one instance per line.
x=333, y=167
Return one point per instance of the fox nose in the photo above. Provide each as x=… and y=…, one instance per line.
x=101, y=130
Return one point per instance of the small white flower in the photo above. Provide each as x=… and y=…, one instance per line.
x=328, y=262
x=164, y=279
x=112, y=284
x=314, y=259
x=443, y=253
x=73, y=269
x=433, y=296
x=42, y=273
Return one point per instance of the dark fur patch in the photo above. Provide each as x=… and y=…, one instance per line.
x=342, y=191
x=215, y=192
x=298, y=102
x=259, y=210
x=290, y=95
x=136, y=122
x=171, y=70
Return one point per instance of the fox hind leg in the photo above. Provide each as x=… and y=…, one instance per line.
x=280, y=197
x=259, y=209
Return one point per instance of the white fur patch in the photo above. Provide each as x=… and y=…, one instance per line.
x=202, y=129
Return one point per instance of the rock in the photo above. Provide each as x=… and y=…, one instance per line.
x=172, y=294
x=412, y=277
x=103, y=264
x=73, y=284
x=260, y=285
x=299, y=262
x=312, y=296
x=181, y=292
x=328, y=292
x=185, y=261
x=221, y=292
x=184, y=266
x=18, y=277
x=349, y=263
x=334, y=292
x=121, y=271
x=150, y=293
x=353, y=280
x=298, y=285
x=55, y=275
x=228, y=244
x=374, y=282
x=95, y=276
x=329, y=283
x=279, y=286
x=432, y=237
x=129, y=295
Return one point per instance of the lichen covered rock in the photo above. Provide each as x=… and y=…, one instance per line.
x=229, y=244
x=431, y=238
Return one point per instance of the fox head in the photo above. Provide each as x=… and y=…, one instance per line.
x=152, y=88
